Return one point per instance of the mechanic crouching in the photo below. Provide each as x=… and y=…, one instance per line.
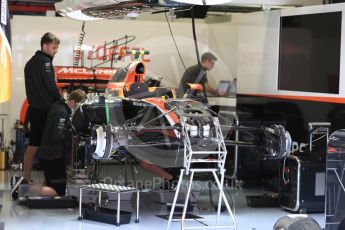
x=53, y=146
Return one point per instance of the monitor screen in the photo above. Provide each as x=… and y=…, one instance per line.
x=224, y=87
x=309, y=52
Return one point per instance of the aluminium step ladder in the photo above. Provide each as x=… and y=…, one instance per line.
x=190, y=157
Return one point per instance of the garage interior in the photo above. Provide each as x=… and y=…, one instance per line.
x=265, y=152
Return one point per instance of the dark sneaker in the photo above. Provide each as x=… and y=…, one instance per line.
x=15, y=182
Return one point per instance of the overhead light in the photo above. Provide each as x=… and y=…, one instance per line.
x=69, y=9
x=78, y=15
x=204, y=2
x=132, y=14
x=120, y=8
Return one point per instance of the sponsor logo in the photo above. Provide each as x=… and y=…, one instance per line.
x=48, y=67
x=298, y=147
x=333, y=138
x=3, y=12
x=102, y=53
x=85, y=71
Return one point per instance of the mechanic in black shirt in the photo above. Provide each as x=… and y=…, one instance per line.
x=53, y=147
x=41, y=92
x=191, y=75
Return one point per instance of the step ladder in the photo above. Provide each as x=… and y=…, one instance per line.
x=192, y=155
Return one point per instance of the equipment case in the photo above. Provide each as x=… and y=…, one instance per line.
x=303, y=183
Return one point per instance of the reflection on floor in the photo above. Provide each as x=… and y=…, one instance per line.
x=18, y=217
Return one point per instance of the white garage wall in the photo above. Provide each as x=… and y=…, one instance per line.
x=257, y=68
x=219, y=38
x=223, y=40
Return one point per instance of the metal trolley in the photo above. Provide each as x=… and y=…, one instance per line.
x=108, y=188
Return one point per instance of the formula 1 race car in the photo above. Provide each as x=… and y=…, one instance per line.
x=146, y=121
x=150, y=129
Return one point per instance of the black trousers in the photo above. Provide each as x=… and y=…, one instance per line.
x=37, y=120
x=55, y=174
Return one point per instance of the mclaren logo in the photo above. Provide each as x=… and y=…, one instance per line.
x=86, y=71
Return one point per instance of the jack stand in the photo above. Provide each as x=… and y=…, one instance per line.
x=190, y=156
x=132, y=168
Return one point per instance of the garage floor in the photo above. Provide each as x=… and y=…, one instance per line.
x=15, y=217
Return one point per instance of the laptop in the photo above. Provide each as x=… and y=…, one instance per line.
x=227, y=88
